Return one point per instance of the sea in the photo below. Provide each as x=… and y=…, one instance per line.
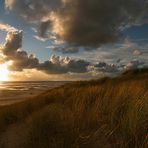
x=27, y=85
x=13, y=92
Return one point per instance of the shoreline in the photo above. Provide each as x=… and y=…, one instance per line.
x=8, y=97
x=13, y=92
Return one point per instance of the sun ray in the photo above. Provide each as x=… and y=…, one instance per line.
x=4, y=72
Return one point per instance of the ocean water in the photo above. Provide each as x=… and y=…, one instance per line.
x=27, y=85
x=12, y=92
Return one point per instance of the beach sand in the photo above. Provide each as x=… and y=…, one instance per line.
x=8, y=97
x=12, y=92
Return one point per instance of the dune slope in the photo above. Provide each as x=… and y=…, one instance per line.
x=105, y=113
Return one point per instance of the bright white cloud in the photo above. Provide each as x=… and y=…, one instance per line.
x=7, y=27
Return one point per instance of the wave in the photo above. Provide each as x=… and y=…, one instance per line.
x=27, y=85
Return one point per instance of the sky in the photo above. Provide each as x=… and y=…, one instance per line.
x=72, y=40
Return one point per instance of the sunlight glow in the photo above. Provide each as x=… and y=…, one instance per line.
x=4, y=72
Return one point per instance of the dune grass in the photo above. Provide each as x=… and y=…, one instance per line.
x=105, y=113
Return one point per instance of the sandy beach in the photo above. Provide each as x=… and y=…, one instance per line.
x=12, y=92
x=10, y=96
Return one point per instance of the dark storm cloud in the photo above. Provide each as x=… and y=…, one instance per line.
x=137, y=52
x=67, y=50
x=134, y=64
x=43, y=28
x=12, y=51
x=13, y=43
x=104, y=67
x=22, y=60
x=32, y=10
x=59, y=65
x=82, y=22
x=55, y=65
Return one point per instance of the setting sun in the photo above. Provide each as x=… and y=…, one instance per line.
x=4, y=72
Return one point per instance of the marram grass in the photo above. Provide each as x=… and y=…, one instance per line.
x=106, y=113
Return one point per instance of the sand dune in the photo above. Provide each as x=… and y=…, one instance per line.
x=106, y=113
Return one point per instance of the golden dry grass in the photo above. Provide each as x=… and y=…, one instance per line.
x=106, y=113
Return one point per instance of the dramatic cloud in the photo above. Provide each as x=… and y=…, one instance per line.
x=137, y=52
x=66, y=50
x=82, y=22
x=1, y=58
x=22, y=62
x=29, y=8
x=43, y=29
x=6, y=27
x=13, y=43
x=133, y=65
x=104, y=67
x=59, y=65
x=11, y=51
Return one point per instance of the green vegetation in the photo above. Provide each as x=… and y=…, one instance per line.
x=105, y=113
